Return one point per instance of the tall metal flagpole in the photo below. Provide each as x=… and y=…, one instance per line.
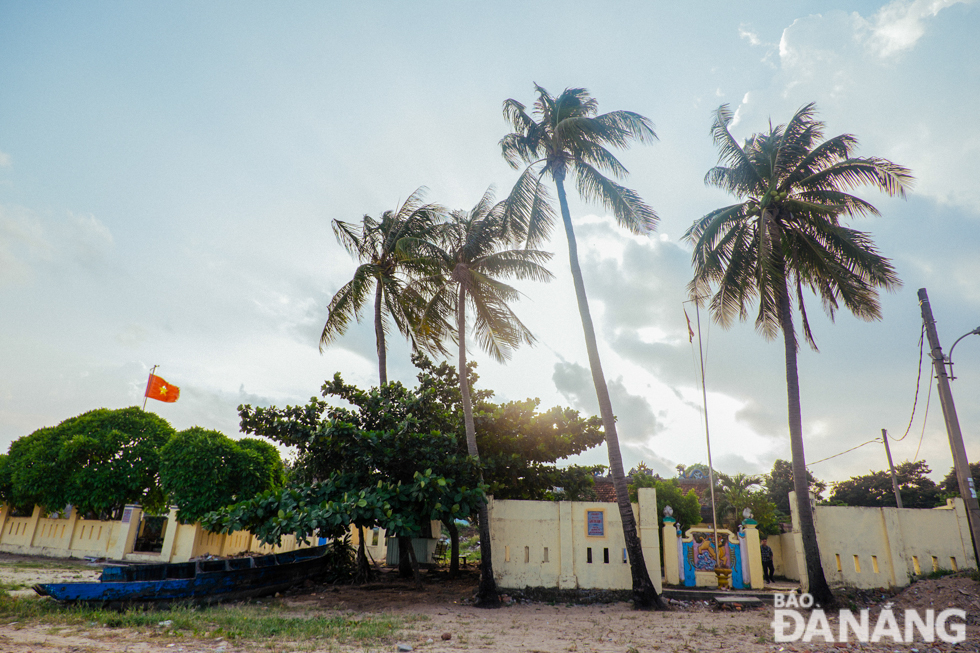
x=152, y=370
x=707, y=438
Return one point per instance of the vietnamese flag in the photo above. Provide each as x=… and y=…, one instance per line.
x=157, y=388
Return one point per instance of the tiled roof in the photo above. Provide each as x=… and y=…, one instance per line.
x=605, y=489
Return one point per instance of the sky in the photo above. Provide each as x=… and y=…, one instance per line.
x=169, y=173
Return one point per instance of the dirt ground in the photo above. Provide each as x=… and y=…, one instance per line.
x=450, y=624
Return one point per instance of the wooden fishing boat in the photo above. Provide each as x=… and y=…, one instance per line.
x=204, y=581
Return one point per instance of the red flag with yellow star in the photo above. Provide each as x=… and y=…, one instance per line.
x=157, y=388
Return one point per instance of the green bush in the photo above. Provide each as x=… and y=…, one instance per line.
x=203, y=470
x=98, y=462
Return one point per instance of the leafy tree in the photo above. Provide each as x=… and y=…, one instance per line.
x=740, y=491
x=779, y=483
x=950, y=486
x=374, y=243
x=785, y=234
x=569, y=137
x=875, y=488
x=97, y=461
x=467, y=258
x=733, y=494
x=519, y=446
x=203, y=470
x=398, y=478
x=686, y=507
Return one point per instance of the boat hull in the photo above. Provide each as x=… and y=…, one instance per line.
x=202, y=582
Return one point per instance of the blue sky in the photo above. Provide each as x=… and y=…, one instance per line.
x=168, y=175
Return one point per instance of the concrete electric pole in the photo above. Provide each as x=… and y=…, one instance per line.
x=961, y=464
x=891, y=468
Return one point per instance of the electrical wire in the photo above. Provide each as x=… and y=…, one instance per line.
x=915, y=403
x=924, y=419
x=843, y=452
x=918, y=379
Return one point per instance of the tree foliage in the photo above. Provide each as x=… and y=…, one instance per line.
x=740, y=491
x=779, y=483
x=384, y=271
x=686, y=507
x=566, y=135
x=203, y=470
x=396, y=479
x=520, y=447
x=97, y=461
x=875, y=488
x=785, y=236
x=950, y=486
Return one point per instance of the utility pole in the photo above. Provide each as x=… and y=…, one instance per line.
x=960, y=462
x=891, y=468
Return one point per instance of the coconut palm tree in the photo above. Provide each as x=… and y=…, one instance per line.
x=785, y=235
x=466, y=258
x=566, y=136
x=735, y=493
x=374, y=243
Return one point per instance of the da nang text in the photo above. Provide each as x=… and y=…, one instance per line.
x=791, y=622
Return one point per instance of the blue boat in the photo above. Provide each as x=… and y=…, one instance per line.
x=204, y=581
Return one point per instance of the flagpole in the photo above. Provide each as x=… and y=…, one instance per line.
x=145, y=392
x=707, y=439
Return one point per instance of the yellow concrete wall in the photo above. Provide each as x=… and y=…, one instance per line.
x=884, y=547
x=787, y=550
x=91, y=538
x=375, y=543
x=56, y=537
x=546, y=544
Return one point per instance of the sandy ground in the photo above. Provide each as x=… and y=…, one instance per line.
x=449, y=624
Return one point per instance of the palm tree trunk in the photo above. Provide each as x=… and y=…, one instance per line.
x=486, y=594
x=454, y=547
x=819, y=588
x=379, y=334
x=645, y=596
x=363, y=566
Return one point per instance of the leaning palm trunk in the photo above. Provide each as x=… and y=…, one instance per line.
x=645, y=595
x=486, y=595
x=379, y=334
x=814, y=568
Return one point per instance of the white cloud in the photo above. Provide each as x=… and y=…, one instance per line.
x=749, y=36
x=898, y=26
x=29, y=240
x=22, y=240
x=5, y=160
x=88, y=239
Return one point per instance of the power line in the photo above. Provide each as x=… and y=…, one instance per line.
x=915, y=402
x=843, y=452
x=925, y=418
x=918, y=378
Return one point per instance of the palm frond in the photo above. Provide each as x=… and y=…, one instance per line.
x=518, y=264
x=354, y=239
x=729, y=151
x=516, y=114
x=527, y=211
x=825, y=154
x=632, y=126
x=626, y=206
x=518, y=149
x=795, y=140
x=601, y=158
x=347, y=304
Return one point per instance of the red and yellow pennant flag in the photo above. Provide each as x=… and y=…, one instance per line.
x=157, y=388
x=690, y=331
